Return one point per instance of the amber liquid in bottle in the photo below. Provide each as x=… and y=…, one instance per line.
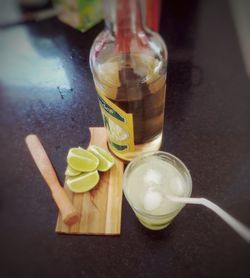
x=129, y=70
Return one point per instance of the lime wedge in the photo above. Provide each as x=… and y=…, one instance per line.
x=106, y=160
x=84, y=182
x=82, y=160
x=71, y=172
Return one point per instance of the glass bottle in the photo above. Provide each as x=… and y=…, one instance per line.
x=128, y=62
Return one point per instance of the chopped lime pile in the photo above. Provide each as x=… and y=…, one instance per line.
x=83, y=166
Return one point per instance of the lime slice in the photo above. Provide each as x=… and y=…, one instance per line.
x=106, y=160
x=84, y=182
x=82, y=160
x=71, y=172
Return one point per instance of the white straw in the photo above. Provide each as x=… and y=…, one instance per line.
x=240, y=228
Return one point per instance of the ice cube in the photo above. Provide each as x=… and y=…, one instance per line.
x=176, y=186
x=152, y=200
x=152, y=177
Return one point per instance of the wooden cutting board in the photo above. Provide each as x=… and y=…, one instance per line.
x=100, y=208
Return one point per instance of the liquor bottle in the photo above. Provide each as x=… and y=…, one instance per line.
x=129, y=62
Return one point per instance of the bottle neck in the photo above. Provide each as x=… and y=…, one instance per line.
x=124, y=19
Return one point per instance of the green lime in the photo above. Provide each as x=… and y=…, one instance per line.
x=82, y=160
x=83, y=182
x=71, y=172
x=106, y=160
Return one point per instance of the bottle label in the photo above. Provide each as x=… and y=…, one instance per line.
x=119, y=126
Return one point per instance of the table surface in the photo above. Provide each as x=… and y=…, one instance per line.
x=46, y=88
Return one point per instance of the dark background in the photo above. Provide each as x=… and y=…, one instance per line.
x=46, y=88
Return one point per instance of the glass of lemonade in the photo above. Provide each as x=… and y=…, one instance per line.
x=148, y=180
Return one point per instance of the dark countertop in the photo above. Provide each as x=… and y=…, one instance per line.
x=46, y=88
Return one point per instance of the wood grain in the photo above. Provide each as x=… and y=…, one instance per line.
x=100, y=208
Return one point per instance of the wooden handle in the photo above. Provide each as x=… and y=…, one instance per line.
x=69, y=214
